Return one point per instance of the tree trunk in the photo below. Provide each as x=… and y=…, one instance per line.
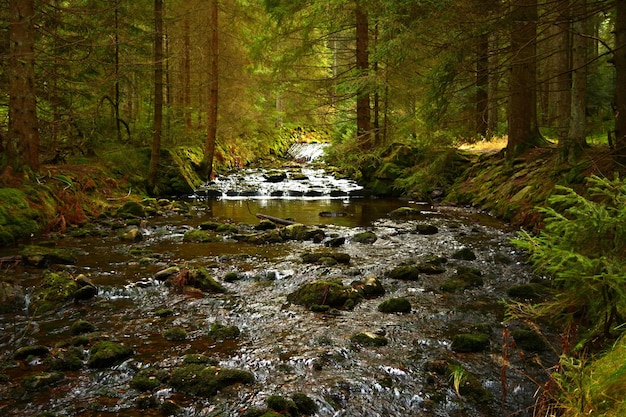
x=187, y=73
x=363, y=111
x=482, y=86
x=619, y=59
x=23, y=134
x=522, y=116
x=576, y=137
x=559, y=66
x=158, y=95
x=211, y=137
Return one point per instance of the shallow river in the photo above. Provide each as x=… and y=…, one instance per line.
x=287, y=347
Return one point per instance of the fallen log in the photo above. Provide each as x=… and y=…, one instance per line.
x=276, y=220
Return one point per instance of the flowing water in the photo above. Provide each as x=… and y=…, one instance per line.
x=287, y=347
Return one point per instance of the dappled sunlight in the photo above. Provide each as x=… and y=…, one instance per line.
x=486, y=145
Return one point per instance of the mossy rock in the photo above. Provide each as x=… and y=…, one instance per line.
x=201, y=279
x=296, y=232
x=34, y=350
x=395, y=305
x=233, y=277
x=529, y=341
x=282, y=405
x=227, y=229
x=429, y=268
x=330, y=293
x=463, y=279
x=269, y=236
x=368, y=339
x=265, y=224
x=12, y=297
x=197, y=358
x=17, y=218
x=369, y=287
x=82, y=327
x=148, y=379
x=132, y=235
x=201, y=236
x=404, y=272
x=470, y=343
x=318, y=257
x=464, y=254
x=305, y=404
x=365, y=237
x=41, y=380
x=131, y=209
x=469, y=386
x=175, y=334
x=55, y=289
x=404, y=212
x=68, y=360
x=201, y=380
x=42, y=257
x=106, y=354
x=218, y=331
x=530, y=291
x=426, y=229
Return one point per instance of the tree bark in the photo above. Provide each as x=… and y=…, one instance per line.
x=211, y=137
x=187, y=73
x=158, y=95
x=619, y=59
x=522, y=113
x=23, y=134
x=363, y=111
x=482, y=86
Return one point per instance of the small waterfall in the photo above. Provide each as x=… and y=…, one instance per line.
x=307, y=152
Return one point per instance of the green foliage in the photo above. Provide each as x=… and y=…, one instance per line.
x=583, y=247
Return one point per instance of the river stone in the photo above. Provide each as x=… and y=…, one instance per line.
x=130, y=210
x=54, y=290
x=404, y=272
x=132, y=235
x=221, y=332
x=265, y=224
x=368, y=339
x=175, y=334
x=470, y=343
x=404, y=212
x=276, y=176
x=86, y=288
x=282, y=405
x=34, y=350
x=430, y=268
x=200, y=236
x=529, y=340
x=324, y=293
x=335, y=242
x=318, y=257
x=164, y=274
x=106, y=354
x=370, y=287
x=41, y=257
x=201, y=380
x=41, y=380
x=395, y=305
x=306, y=406
x=70, y=359
x=12, y=297
x=465, y=254
x=426, y=229
x=365, y=237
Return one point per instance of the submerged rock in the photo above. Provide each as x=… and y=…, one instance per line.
x=465, y=254
x=219, y=331
x=42, y=257
x=106, y=354
x=325, y=293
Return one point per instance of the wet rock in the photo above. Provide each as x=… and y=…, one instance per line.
x=329, y=293
x=265, y=224
x=464, y=278
x=201, y=236
x=81, y=327
x=86, y=289
x=404, y=272
x=33, y=350
x=131, y=210
x=197, y=358
x=368, y=339
x=430, y=268
x=201, y=380
x=527, y=292
x=426, y=229
x=55, y=289
x=335, y=242
x=197, y=278
x=164, y=274
x=106, y=354
x=369, y=287
x=175, y=334
x=404, y=212
x=219, y=331
x=282, y=405
x=276, y=176
x=529, y=340
x=395, y=305
x=470, y=342
x=42, y=257
x=297, y=232
x=270, y=236
x=70, y=359
x=465, y=254
x=132, y=235
x=332, y=213
x=12, y=297
x=148, y=379
x=42, y=380
x=318, y=257
x=146, y=401
x=365, y=237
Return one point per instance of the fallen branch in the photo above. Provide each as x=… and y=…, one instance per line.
x=276, y=220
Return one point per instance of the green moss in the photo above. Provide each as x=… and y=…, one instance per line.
x=328, y=293
x=68, y=360
x=530, y=291
x=175, y=334
x=195, y=379
x=54, y=290
x=148, y=379
x=41, y=380
x=200, y=359
x=131, y=209
x=42, y=256
x=465, y=254
x=368, y=339
x=365, y=237
x=201, y=279
x=81, y=327
x=529, y=340
x=282, y=405
x=404, y=212
x=468, y=342
x=404, y=272
x=33, y=350
x=17, y=218
x=395, y=305
x=218, y=331
x=318, y=257
x=201, y=236
x=107, y=354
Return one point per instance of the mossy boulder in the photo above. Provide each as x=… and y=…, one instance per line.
x=106, y=354
x=369, y=287
x=329, y=293
x=42, y=380
x=197, y=278
x=148, y=379
x=430, y=268
x=206, y=381
x=529, y=340
x=368, y=339
x=395, y=305
x=404, y=212
x=55, y=289
x=298, y=232
x=82, y=327
x=305, y=404
x=175, y=334
x=470, y=342
x=465, y=278
x=365, y=238
x=282, y=405
x=130, y=210
x=404, y=272
x=71, y=359
x=12, y=297
x=17, y=218
x=133, y=234
x=33, y=350
x=201, y=236
x=530, y=291
x=219, y=331
x=42, y=257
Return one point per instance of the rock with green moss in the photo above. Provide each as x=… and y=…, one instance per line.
x=529, y=340
x=282, y=405
x=369, y=287
x=206, y=381
x=219, y=331
x=82, y=327
x=201, y=236
x=106, y=354
x=530, y=291
x=300, y=232
x=368, y=339
x=404, y=212
x=464, y=278
x=175, y=334
x=395, y=305
x=430, y=268
x=470, y=342
x=328, y=293
x=55, y=289
x=71, y=359
x=201, y=279
x=426, y=229
x=196, y=358
x=367, y=237
x=25, y=352
x=404, y=272
x=133, y=234
x=17, y=218
x=131, y=209
x=148, y=379
x=305, y=404
x=42, y=257
x=464, y=254
x=42, y=380
x=12, y=297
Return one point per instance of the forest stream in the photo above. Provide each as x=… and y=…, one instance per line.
x=287, y=347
